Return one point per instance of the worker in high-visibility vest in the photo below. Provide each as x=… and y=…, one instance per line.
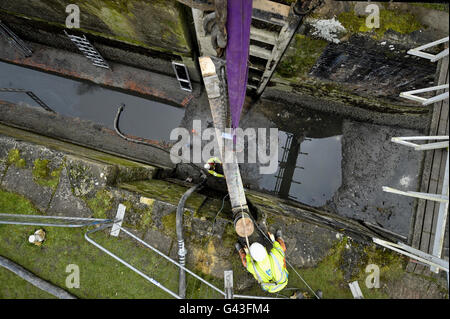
x=269, y=269
x=214, y=167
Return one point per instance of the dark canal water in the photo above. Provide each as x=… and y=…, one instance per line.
x=309, y=153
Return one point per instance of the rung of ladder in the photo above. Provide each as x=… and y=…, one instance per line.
x=270, y=12
x=262, y=35
x=88, y=50
x=260, y=52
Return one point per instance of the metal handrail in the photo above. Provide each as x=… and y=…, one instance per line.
x=106, y=223
x=87, y=221
x=152, y=248
x=15, y=40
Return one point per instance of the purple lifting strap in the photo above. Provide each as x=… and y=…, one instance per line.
x=238, y=29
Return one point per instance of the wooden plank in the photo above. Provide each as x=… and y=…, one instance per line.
x=442, y=129
x=262, y=35
x=272, y=7
x=433, y=189
x=260, y=52
x=284, y=38
x=425, y=217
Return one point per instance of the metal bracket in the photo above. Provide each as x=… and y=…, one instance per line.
x=356, y=290
x=228, y=283
x=115, y=230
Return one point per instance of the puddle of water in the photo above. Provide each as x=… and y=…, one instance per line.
x=309, y=154
x=141, y=117
x=309, y=169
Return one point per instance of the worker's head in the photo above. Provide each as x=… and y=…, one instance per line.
x=32, y=238
x=207, y=166
x=258, y=252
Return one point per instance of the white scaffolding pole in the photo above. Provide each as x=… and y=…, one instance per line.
x=414, y=253
x=432, y=57
x=422, y=147
x=411, y=95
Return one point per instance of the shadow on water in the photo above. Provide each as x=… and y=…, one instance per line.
x=142, y=117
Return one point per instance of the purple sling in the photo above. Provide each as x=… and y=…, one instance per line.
x=238, y=29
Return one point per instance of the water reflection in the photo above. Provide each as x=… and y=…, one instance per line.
x=142, y=117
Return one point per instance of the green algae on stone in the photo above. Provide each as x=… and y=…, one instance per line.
x=229, y=236
x=115, y=14
x=169, y=223
x=401, y=22
x=44, y=176
x=15, y=159
x=164, y=191
x=100, y=203
x=306, y=51
x=136, y=22
x=147, y=218
x=434, y=6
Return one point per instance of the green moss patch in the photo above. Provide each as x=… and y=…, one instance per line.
x=164, y=191
x=44, y=176
x=306, y=51
x=15, y=159
x=100, y=203
x=14, y=287
x=403, y=23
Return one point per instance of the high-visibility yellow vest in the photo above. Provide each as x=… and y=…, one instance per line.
x=212, y=172
x=271, y=273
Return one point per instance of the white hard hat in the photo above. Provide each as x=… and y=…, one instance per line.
x=31, y=239
x=207, y=166
x=258, y=252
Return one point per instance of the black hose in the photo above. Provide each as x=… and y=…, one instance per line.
x=179, y=230
x=34, y=280
x=116, y=127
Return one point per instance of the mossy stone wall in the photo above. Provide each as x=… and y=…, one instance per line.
x=156, y=24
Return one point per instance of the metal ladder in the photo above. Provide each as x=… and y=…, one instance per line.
x=30, y=94
x=88, y=50
x=268, y=47
x=15, y=40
